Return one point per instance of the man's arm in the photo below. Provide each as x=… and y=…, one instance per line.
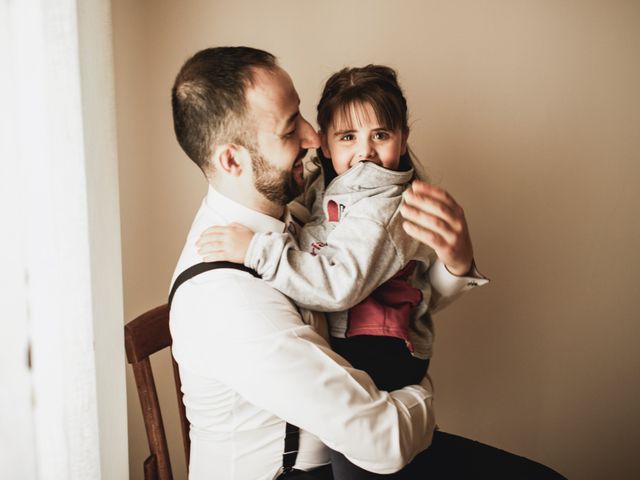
x=433, y=217
x=275, y=362
x=446, y=287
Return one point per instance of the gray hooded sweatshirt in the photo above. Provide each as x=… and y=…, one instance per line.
x=352, y=246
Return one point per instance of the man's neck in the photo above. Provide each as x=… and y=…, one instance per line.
x=250, y=199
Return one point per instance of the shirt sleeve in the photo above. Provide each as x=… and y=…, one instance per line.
x=278, y=364
x=357, y=257
x=446, y=287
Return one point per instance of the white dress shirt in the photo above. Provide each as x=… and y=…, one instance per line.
x=248, y=363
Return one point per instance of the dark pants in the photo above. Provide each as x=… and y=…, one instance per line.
x=321, y=473
x=387, y=360
x=451, y=457
x=391, y=366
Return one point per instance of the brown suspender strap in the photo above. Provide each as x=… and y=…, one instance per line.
x=292, y=433
x=291, y=445
x=199, y=268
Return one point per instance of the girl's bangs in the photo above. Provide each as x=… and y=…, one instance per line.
x=353, y=112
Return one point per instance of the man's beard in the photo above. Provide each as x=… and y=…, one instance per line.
x=277, y=185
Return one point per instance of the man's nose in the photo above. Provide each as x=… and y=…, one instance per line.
x=308, y=135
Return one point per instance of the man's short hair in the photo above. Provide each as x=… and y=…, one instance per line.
x=208, y=99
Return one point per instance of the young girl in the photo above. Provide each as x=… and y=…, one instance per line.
x=353, y=259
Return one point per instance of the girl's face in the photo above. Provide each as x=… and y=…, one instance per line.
x=361, y=137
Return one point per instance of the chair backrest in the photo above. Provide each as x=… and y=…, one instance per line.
x=144, y=336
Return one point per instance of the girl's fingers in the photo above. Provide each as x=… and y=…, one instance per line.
x=221, y=229
x=214, y=257
x=213, y=234
x=215, y=231
x=208, y=237
x=209, y=247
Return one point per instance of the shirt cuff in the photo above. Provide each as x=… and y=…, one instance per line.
x=448, y=284
x=251, y=258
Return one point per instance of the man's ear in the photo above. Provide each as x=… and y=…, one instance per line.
x=324, y=145
x=229, y=158
x=405, y=137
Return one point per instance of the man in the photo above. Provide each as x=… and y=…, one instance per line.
x=249, y=364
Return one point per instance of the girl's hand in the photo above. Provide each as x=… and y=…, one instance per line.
x=434, y=218
x=229, y=243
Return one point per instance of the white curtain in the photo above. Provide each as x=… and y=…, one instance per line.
x=58, y=197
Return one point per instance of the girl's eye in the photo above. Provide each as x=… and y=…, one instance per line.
x=380, y=136
x=346, y=138
x=290, y=134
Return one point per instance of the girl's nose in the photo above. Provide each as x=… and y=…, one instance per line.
x=366, y=150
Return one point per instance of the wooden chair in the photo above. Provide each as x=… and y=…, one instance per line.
x=144, y=336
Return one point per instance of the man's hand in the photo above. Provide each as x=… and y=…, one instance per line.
x=229, y=243
x=434, y=218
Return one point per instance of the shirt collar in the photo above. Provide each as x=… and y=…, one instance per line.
x=232, y=211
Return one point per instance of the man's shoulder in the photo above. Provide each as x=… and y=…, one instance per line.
x=230, y=286
x=231, y=304
x=224, y=301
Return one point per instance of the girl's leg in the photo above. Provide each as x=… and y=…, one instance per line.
x=387, y=360
x=391, y=366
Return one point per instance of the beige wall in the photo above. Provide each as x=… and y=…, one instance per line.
x=529, y=113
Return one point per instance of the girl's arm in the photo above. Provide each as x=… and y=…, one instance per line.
x=225, y=243
x=360, y=254
x=357, y=257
